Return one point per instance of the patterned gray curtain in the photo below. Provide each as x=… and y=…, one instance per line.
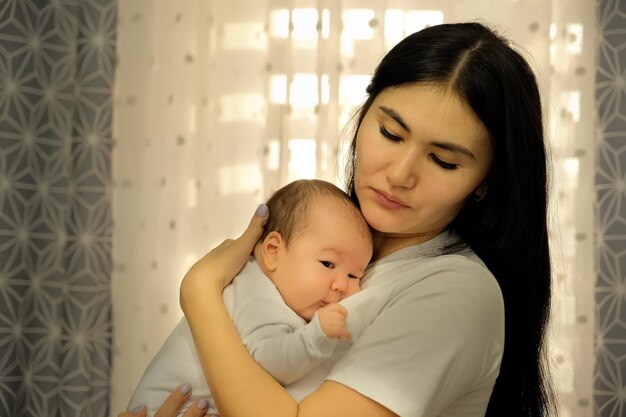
x=610, y=183
x=56, y=73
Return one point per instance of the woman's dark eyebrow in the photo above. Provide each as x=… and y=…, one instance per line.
x=461, y=150
x=395, y=116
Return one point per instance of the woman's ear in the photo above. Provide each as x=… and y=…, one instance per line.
x=480, y=192
x=271, y=247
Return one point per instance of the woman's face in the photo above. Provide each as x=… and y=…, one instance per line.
x=420, y=153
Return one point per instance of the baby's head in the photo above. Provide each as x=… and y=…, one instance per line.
x=316, y=245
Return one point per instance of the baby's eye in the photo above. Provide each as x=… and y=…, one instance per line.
x=353, y=276
x=328, y=264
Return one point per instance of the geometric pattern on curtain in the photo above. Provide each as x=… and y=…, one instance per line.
x=56, y=73
x=610, y=184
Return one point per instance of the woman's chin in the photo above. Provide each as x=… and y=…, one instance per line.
x=382, y=223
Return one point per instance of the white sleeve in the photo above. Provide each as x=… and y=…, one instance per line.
x=290, y=356
x=435, y=347
x=276, y=337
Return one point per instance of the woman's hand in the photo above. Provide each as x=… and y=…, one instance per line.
x=172, y=405
x=214, y=271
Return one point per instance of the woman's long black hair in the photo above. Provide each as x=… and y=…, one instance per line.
x=508, y=228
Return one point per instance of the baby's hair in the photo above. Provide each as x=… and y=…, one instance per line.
x=289, y=206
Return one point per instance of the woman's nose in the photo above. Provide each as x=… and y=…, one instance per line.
x=402, y=170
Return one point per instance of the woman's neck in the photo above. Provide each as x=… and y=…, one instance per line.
x=387, y=243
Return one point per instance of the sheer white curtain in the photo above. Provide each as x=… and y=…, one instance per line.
x=219, y=103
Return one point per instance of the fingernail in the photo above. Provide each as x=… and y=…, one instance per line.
x=185, y=388
x=203, y=404
x=137, y=410
x=261, y=211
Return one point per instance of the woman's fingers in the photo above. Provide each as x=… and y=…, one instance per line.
x=232, y=254
x=197, y=409
x=135, y=412
x=217, y=268
x=174, y=402
x=253, y=232
x=260, y=217
x=172, y=405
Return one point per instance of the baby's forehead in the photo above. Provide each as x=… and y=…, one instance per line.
x=353, y=215
x=340, y=210
x=334, y=206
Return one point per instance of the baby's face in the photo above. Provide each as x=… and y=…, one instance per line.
x=325, y=262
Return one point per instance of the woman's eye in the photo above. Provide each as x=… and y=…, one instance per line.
x=443, y=164
x=328, y=264
x=383, y=131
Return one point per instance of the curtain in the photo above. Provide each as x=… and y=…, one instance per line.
x=217, y=104
x=56, y=73
x=610, y=215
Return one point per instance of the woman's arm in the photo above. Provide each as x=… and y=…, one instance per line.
x=244, y=388
x=241, y=387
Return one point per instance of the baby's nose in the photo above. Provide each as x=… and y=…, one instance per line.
x=340, y=284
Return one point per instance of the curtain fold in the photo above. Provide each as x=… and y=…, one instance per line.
x=56, y=75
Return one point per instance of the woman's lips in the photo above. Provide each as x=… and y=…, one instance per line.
x=388, y=201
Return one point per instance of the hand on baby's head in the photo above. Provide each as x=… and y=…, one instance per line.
x=333, y=321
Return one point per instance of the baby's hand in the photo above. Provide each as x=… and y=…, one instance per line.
x=332, y=319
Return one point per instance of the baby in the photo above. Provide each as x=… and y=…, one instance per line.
x=314, y=250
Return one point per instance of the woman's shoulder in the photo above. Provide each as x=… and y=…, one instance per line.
x=450, y=275
x=460, y=279
x=458, y=285
x=410, y=267
x=463, y=267
x=450, y=294
x=438, y=322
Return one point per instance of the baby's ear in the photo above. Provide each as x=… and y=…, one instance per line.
x=271, y=248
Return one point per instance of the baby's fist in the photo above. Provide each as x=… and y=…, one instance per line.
x=332, y=318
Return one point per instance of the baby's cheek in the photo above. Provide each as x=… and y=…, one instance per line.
x=353, y=287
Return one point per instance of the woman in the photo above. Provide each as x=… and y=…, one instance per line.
x=448, y=166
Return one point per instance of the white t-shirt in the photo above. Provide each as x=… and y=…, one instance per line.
x=428, y=333
x=431, y=333
x=280, y=340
